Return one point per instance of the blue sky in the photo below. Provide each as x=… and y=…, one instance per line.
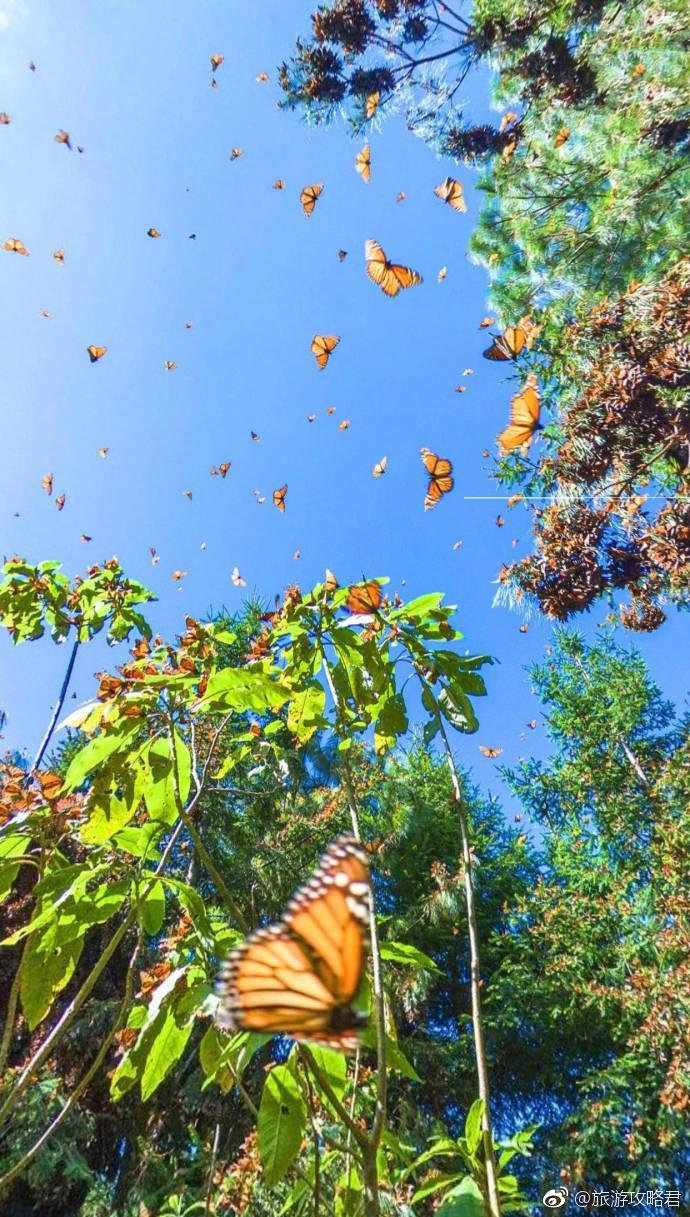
x=131, y=84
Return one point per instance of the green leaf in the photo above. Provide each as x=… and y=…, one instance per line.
x=44, y=974
x=306, y=711
x=281, y=1122
x=332, y=1065
x=240, y=689
x=473, y=1126
x=166, y=1048
x=152, y=908
x=107, y=816
x=233, y=1055
x=463, y=1201
x=93, y=754
x=403, y=953
x=435, y=1185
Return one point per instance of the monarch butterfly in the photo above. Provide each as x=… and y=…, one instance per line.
x=400, y=198
x=508, y=344
x=451, y=192
x=14, y=246
x=152, y=232
x=262, y=78
x=47, y=482
x=237, y=578
x=5, y=119
x=235, y=153
x=279, y=184
x=380, y=467
x=442, y=274
x=330, y=583
x=389, y=276
x=308, y=197
x=440, y=480
x=342, y=254
x=60, y=501
x=216, y=61
x=524, y=417
x=59, y=256
x=299, y=976
x=486, y=322
x=322, y=347
x=364, y=597
x=372, y=104
x=169, y=365
x=492, y=753
x=63, y=138
x=279, y=497
x=96, y=353
x=363, y=163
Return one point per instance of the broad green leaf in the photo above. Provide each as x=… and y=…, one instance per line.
x=390, y=721
x=332, y=1065
x=107, y=815
x=98, y=750
x=44, y=974
x=306, y=711
x=473, y=1126
x=463, y=1201
x=349, y=1193
x=436, y=1185
x=166, y=1048
x=152, y=908
x=403, y=953
x=241, y=689
x=280, y=1125
x=235, y=1054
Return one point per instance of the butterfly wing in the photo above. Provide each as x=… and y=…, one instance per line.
x=300, y=975
x=308, y=197
x=365, y=598
x=377, y=263
x=363, y=163
x=322, y=347
x=279, y=497
x=524, y=418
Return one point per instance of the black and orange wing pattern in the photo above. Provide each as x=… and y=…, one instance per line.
x=363, y=163
x=364, y=597
x=524, y=417
x=308, y=197
x=299, y=977
x=322, y=347
x=451, y=192
x=389, y=276
x=279, y=497
x=441, y=482
x=508, y=344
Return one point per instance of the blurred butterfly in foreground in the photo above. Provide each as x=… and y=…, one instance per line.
x=299, y=976
x=389, y=276
x=308, y=197
x=508, y=345
x=322, y=347
x=451, y=192
x=440, y=480
x=524, y=418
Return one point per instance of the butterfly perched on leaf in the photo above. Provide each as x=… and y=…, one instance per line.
x=389, y=276
x=492, y=753
x=451, y=192
x=236, y=577
x=440, y=480
x=322, y=347
x=96, y=353
x=364, y=597
x=308, y=197
x=508, y=344
x=300, y=976
x=363, y=163
x=524, y=417
x=14, y=246
x=279, y=497
x=62, y=137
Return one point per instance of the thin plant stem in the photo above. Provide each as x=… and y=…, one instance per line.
x=43, y=746
x=211, y=1169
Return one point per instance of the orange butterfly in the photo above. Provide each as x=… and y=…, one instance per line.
x=440, y=480
x=236, y=153
x=372, y=103
x=5, y=119
x=216, y=61
x=279, y=184
x=507, y=345
x=60, y=501
x=322, y=347
x=169, y=365
x=451, y=192
x=96, y=353
x=14, y=246
x=308, y=197
x=178, y=574
x=344, y=425
x=363, y=163
x=262, y=78
x=524, y=417
x=59, y=256
x=364, y=597
x=63, y=138
x=152, y=232
x=380, y=467
x=492, y=753
x=279, y=497
x=389, y=276
x=299, y=977
x=47, y=483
